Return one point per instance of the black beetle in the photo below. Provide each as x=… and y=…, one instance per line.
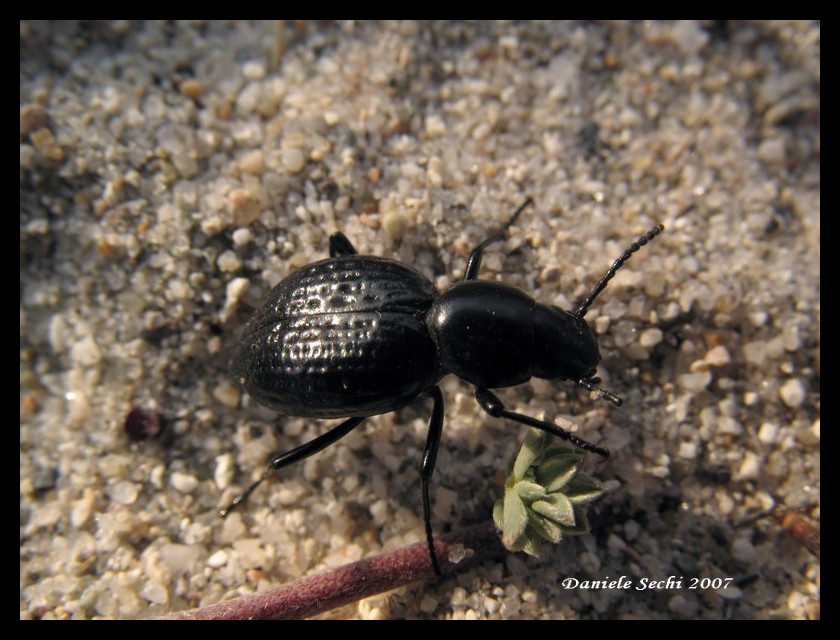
x=355, y=336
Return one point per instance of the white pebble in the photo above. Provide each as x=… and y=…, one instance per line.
x=155, y=592
x=395, y=224
x=750, y=467
x=792, y=393
x=82, y=508
x=728, y=425
x=183, y=482
x=650, y=338
x=510, y=607
x=86, y=352
x=694, y=382
x=78, y=407
x=229, y=262
x=218, y=559
x=293, y=160
x=688, y=450
x=253, y=70
x=233, y=292
x=227, y=393
x=725, y=504
x=718, y=356
x=730, y=593
x=124, y=492
x=435, y=126
x=242, y=236
x=743, y=550
x=767, y=432
x=223, y=473
x=689, y=36
x=758, y=318
x=755, y=353
x=180, y=558
x=252, y=162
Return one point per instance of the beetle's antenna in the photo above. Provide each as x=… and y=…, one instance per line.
x=602, y=283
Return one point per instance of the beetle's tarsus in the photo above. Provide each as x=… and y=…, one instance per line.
x=591, y=385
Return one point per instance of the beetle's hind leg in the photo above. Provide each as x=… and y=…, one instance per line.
x=341, y=246
x=280, y=460
x=490, y=402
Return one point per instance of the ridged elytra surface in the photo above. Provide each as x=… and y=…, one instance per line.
x=340, y=337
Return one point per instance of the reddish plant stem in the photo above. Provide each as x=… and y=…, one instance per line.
x=312, y=595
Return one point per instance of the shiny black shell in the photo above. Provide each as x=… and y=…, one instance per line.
x=341, y=337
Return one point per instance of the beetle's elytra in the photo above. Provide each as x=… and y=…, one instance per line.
x=354, y=336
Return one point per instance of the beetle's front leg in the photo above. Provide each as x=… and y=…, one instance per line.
x=490, y=402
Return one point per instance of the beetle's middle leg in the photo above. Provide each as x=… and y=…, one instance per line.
x=490, y=402
x=474, y=263
x=428, y=466
x=281, y=460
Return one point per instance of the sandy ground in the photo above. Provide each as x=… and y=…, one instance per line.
x=171, y=172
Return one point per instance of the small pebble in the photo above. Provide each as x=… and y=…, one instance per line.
x=124, y=492
x=750, y=466
x=242, y=236
x=767, y=432
x=743, y=550
x=244, y=207
x=395, y=224
x=650, y=337
x=234, y=291
x=694, y=382
x=82, y=509
x=85, y=352
x=192, y=88
x=293, y=160
x=183, y=482
x=228, y=394
x=688, y=450
x=229, y=262
x=252, y=162
x=180, y=558
x=435, y=126
x=155, y=592
x=218, y=559
x=224, y=471
x=717, y=356
x=253, y=70
x=32, y=118
x=44, y=141
x=792, y=393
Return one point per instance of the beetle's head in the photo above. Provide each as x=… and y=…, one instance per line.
x=564, y=346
